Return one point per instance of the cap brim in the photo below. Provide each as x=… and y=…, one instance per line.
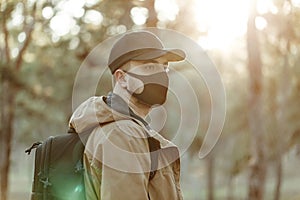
x=171, y=55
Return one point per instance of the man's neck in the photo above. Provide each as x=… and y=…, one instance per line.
x=138, y=108
x=134, y=104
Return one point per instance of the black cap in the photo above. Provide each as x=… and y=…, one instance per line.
x=140, y=45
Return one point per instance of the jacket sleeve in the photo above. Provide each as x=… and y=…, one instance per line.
x=125, y=164
x=121, y=185
x=126, y=161
x=92, y=180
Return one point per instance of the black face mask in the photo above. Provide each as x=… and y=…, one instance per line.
x=155, y=88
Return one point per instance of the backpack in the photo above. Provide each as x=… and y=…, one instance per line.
x=58, y=167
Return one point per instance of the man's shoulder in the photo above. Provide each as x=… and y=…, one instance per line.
x=120, y=126
x=125, y=129
x=124, y=135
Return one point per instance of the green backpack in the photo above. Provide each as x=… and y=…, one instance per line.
x=58, y=171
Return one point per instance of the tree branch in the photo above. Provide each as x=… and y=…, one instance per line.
x=6, y=35
x=28, y=31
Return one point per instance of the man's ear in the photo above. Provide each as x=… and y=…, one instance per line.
x=120, y=78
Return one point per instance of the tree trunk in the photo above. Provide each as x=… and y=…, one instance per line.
x=230, y=188
x=152, y=19
x=210, y=177
x=8, y=92
x=283, y=93
x=278, y=178
x=7, y=116
x=257, y=164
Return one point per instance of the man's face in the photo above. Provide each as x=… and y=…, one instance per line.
x=144, y=68
x=147, y=81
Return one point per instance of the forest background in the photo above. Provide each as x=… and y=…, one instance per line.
x=254, y=44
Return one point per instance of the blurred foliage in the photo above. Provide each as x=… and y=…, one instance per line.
x=51, y=61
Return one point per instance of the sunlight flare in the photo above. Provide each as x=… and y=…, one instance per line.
x=222, y=21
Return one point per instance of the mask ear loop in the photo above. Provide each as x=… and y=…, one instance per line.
x=133, y=75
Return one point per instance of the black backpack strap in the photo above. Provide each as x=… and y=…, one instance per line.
x=44, y=173
x=154, y=146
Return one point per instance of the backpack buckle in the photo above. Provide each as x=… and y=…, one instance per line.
x=45, y=182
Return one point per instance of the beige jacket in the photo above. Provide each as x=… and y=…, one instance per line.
x=117, y=159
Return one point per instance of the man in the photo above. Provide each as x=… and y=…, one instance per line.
x=124, y=158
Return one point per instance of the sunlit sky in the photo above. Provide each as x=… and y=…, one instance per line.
x=225, y=21
x=221, y=21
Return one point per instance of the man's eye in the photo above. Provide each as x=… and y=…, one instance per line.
x=150, y=66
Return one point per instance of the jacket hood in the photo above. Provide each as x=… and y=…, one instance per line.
x=98, y=110
x=93, y=112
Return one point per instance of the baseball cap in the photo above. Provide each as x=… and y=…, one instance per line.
x=140, y=45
